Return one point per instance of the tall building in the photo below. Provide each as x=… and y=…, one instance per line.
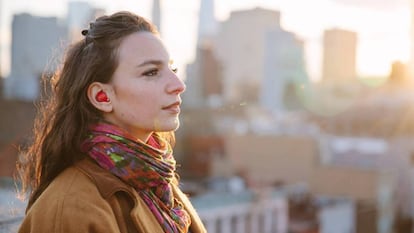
x=240, y=46
x=207, y=23
x=204, y=80
x=156, y=14
x=339, y=55
x=80, y=14
x=204, y=77
x=1, y=45
x=285, y=73
x=411, y=63
x=36, y=45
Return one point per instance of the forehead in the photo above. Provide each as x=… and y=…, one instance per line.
x=141, y=46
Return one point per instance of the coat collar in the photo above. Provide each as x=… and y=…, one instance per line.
x=107, y=183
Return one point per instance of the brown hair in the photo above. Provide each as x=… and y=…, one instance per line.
x=64, y=115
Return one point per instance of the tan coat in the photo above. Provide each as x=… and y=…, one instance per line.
x=88, y=199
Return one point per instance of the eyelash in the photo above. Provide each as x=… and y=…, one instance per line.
x=152, y=72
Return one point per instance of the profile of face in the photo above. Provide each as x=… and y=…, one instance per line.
x=144, y=92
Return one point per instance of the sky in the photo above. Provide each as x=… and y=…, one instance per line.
x=383, y=26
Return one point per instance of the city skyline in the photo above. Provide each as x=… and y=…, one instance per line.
x=383, y=27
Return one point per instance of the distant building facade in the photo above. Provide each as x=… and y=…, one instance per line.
x=240, y=46
x=284, y=71
x=259, y=65
x=36, y=45
x=1, y=87
x=204, y=75
x=1, y=47
x=243, y=212
x=373, y=188
x=205, y=80
x=207, y=23
x=156, y=14
x=80, y=14
x=399, y=75
x=411, y=63
x=339, y=56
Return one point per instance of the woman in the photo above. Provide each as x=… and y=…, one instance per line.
x=101, y=159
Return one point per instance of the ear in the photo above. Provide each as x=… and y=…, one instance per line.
x=93, y=91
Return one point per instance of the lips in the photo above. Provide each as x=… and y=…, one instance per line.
x=174, y=107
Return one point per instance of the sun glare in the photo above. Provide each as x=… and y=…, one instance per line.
x=384, y=41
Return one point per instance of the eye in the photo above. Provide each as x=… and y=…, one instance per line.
x=151, y=72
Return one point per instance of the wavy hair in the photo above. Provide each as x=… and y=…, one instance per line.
x=65, y=113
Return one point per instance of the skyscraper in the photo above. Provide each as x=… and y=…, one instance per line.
x=1, y=44
x=242, y=49
x=284, y=71
x=36, y=46
x=80, y=14
x=1, y=55
x=156, y=14
x=411, y=63
x=339, y=55
x=204, y=80
x=204, y=75
x=207, y=23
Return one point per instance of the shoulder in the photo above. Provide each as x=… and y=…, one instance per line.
x=71, y=184
x=71, y=203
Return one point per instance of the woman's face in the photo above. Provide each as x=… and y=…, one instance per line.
x=144, y=90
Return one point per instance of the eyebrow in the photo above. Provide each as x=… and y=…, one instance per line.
x=154, y=62
x=150, y=62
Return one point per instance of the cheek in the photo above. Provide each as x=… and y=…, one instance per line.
x=138, y=103
x=143, y=110
x=131, y=98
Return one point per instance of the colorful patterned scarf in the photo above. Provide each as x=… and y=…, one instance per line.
x=148, y=167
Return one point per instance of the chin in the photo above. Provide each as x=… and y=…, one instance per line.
x=174, y=127
x=168, y=125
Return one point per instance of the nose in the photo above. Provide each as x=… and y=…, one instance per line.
x=176, y=85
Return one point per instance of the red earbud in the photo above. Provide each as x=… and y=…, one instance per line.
x=101, y=97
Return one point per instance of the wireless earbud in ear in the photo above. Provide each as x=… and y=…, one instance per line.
x=101, y=96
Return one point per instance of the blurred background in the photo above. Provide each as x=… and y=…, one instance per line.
x=298, y=115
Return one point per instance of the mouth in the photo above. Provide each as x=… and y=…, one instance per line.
x=173, y=108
